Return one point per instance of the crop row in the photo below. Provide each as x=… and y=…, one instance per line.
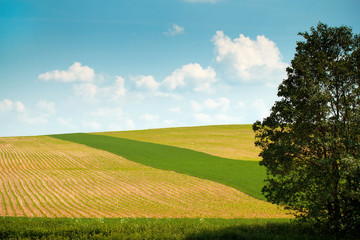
x=47, y=177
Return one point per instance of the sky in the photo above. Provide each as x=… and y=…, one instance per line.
x=89, y=66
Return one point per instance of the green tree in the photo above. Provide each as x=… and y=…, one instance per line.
x=311, y=140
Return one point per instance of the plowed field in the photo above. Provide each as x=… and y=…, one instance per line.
x=47, y=177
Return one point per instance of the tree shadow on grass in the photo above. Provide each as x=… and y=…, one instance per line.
x=278, y=231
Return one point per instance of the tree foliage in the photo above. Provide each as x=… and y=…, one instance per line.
x=311, y=140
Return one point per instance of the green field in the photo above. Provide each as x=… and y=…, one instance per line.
x=177, y=183
x=246, y=176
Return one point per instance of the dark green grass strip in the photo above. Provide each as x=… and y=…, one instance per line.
x=135, y=228
x=246, y=176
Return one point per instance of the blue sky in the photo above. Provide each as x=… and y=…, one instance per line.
x=84, y=66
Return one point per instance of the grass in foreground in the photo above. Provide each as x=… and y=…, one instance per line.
x=246, y=176
x=42, y=228
x=227, y=141
x=47, y=177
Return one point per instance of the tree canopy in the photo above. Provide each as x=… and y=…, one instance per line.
x=311, y=140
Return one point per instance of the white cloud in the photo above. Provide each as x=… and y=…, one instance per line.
x=147, y=86
x=147, y=83
x=113, y=92
x=48, y=107
x=261, y=108
x=7, y=105
x=86, y=90
x=249, y=60
x=191, y=76
x=221, y=104
x=119, y=87
x=40, y=115
x=19, y=107
x=83, y=77
x=174, y=30
x=92, y=92
x=75, y=73
x=214, y=111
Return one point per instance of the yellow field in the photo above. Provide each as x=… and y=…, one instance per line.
x=47, y=177
x=229, y=141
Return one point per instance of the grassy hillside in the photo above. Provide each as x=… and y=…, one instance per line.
x=246, y=176
x=228, y=141
x=47, y=177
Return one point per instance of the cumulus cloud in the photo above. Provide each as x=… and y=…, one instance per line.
x=174, y=30
x=147, y=86
x=249, y=60
x=261, y=108
x=39, y=115
x=119, y=87
x=213, y=111
x=115, y=91
x=147, y=83
x=7, y=105
x=75, y=73
x=192, y=75
x=92, y=92
x=220, y=104
x=86, y=90
x=83, y=78
x=47, y=107
x=189, y=77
